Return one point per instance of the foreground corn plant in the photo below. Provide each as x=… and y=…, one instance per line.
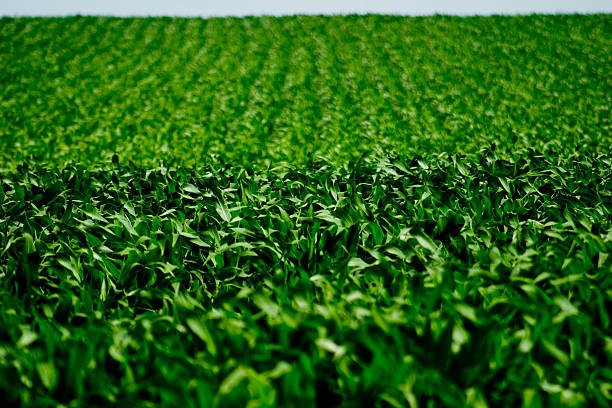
x=385, y=281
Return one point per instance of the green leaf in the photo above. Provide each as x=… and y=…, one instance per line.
x=200, y=330
x=426, y=243
x=48, y=374
x=72, y=266
x=126, y=224
x=190, y=188
x=224, y=212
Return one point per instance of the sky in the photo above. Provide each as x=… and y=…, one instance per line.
x=208, y=8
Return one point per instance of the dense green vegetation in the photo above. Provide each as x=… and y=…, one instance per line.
x=440, y=279
x=270, y=89
x=306, y=211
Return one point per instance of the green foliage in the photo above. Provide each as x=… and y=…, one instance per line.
x=276, y=89
x=445, y=280
x=306, y=211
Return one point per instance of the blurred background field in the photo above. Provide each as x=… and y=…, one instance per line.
x=266, y=90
